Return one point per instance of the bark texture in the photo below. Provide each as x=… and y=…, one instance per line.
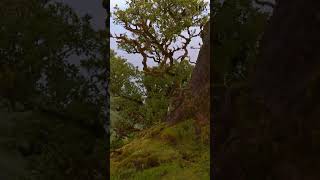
x=280, y=137
x=195, y=102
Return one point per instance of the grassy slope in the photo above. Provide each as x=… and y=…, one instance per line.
x=163, y=152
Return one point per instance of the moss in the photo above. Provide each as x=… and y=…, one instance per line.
x=163, y=152
x=205, y=134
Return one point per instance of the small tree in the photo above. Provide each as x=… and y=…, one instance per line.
x=160, y=29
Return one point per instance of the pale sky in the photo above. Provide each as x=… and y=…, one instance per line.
x=136, y=59
x=91, y=7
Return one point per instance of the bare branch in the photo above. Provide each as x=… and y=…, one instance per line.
x=191, y=62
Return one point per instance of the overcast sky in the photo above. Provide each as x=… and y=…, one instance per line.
x=91, y=7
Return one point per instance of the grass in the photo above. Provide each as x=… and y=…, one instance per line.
x=163, y=152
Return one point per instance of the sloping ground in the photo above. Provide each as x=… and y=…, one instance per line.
x=164, y=152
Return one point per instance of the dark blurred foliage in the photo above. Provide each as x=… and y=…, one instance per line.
x=53, y=89
x=238, y=28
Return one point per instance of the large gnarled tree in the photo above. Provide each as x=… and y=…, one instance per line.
x=161, y=30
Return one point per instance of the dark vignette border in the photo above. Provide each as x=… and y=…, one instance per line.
x=211, y=93
x=106, y=6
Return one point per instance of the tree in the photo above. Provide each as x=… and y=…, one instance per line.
x=194, y=101
x=140, y=99
x=279, y=142
x=64, y=103
x=127, y=91
x=36, y=43
x=160, y=29
x=238, y=25
x=290, y=91
x=125, y=79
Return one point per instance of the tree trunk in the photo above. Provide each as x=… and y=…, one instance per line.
x=283, y=142
x=195, y=101
x=289, y=69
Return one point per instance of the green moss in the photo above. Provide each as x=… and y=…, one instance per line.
x=163, y=152
x=205, y=135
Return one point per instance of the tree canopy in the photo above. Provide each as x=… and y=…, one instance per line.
x=160, y=29
x=139, y=99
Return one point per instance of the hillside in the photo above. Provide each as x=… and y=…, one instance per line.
x=164, y=152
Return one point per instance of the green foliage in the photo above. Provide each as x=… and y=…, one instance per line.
x=157, y=28
x=160, y=90
x=125, y=78
x=61, y=134
x=169, y=18
x=139, y=100
x=126, y=95
x=238, y=27
x=36, y=44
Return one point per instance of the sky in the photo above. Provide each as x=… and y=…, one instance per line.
x=91, y=7
x=136, y=59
